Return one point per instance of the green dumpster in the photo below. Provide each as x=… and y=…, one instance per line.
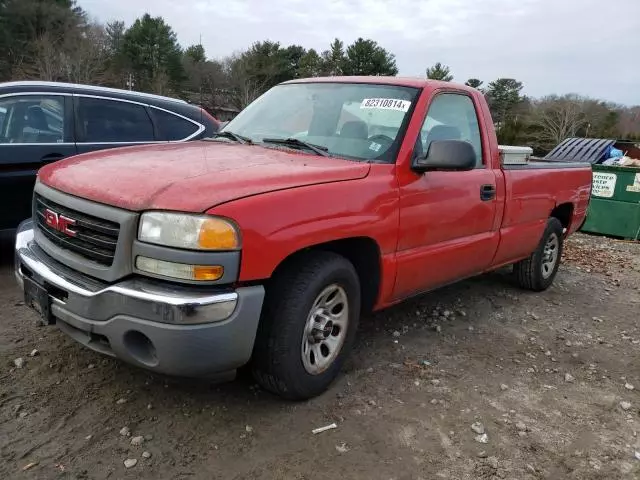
x=614, y=208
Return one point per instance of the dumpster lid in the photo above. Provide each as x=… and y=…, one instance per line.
x=587, y=150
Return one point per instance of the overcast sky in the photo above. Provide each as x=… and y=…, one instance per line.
x=590, y=47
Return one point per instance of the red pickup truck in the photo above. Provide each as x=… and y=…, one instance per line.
x=323, y=199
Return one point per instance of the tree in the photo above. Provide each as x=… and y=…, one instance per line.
x=503, y=96
x=245, y=86
x=195, y=53
x=25, y=24
x=474, y=83
x=151, y=48
x=366, y=57
x=84, y=59
x=310, y=64
x=115, y=35
x=333, y=59
x=290, y=60
x=439, y=72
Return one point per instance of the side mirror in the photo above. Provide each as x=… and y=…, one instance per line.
x=446, y=155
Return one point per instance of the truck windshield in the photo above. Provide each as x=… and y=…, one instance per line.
x=363, y=122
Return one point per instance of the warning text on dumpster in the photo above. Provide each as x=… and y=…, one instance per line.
x=604, y=184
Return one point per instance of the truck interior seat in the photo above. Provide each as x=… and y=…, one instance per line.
x=355, y=129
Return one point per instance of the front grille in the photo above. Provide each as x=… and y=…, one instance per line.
x=95, y=239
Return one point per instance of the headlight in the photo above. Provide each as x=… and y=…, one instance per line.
x=194, y=232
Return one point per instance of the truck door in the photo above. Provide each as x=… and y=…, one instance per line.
x=447, y=228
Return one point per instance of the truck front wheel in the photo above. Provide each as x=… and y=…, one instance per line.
x=538, y=271
x=308, y=324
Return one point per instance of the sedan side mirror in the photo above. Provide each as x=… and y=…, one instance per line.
x=446, y=155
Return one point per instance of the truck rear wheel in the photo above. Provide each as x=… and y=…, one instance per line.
x=539, y=270
x=308, y=324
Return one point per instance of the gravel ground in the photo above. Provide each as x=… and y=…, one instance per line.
x=476, y=381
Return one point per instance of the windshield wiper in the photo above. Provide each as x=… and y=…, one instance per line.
x=233, y=136
x=319, y=149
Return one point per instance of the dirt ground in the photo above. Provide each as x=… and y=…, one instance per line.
x=546, y=376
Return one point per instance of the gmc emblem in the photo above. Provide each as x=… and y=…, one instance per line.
x=59, y=222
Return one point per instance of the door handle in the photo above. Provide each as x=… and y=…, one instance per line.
x=52, y=157
x=487, y=192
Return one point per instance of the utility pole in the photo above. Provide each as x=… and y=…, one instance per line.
x=130, y=81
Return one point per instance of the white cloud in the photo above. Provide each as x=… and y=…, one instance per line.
x=553, y=46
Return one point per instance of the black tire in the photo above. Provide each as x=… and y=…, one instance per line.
x=277, y=363
x=531, y=273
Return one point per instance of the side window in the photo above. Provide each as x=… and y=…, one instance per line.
x=452, y=117
x=172, y=127
x=32, y=119
x=103, y=120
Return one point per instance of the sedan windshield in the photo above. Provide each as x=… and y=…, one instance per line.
x=357, y=121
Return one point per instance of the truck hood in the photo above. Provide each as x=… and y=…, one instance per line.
x=191, y=177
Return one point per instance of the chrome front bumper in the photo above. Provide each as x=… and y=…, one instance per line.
x=169, y=328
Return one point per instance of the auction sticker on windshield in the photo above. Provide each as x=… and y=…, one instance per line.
x=386, y=104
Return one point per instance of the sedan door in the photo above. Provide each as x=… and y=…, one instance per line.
x=103, y=122
x=35, y=129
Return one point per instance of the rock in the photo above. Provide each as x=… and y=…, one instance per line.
x=625, y=405
x=34, y=352
x=522, y=434
x=396, y=333
x=435, y=382
x=470, y=328
x=477, y=427
x=504, y=387
x=369, y=370
x=567, y=343
x=149, y=406
x=628, y=386
x=568, y=377
x=372, y=402
x=482, y=454
x=531, y=370
x=23, y=414
x=434, y=401
x=130, y=463
x=446, y=313
x=438, y=328
x=91, y=366
x=484, y=438
x=416, y=383
x=492, y=462
x=88, y=437
x=146, y=454
x=137, y=441
x=121, y=401
x=521, y=426
x=462, y=313
x=548, y=353
x=248, y=429
x=125, y=432
x=19, y=362
x=531, y=468
x=342, y=448
x=637, y=455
